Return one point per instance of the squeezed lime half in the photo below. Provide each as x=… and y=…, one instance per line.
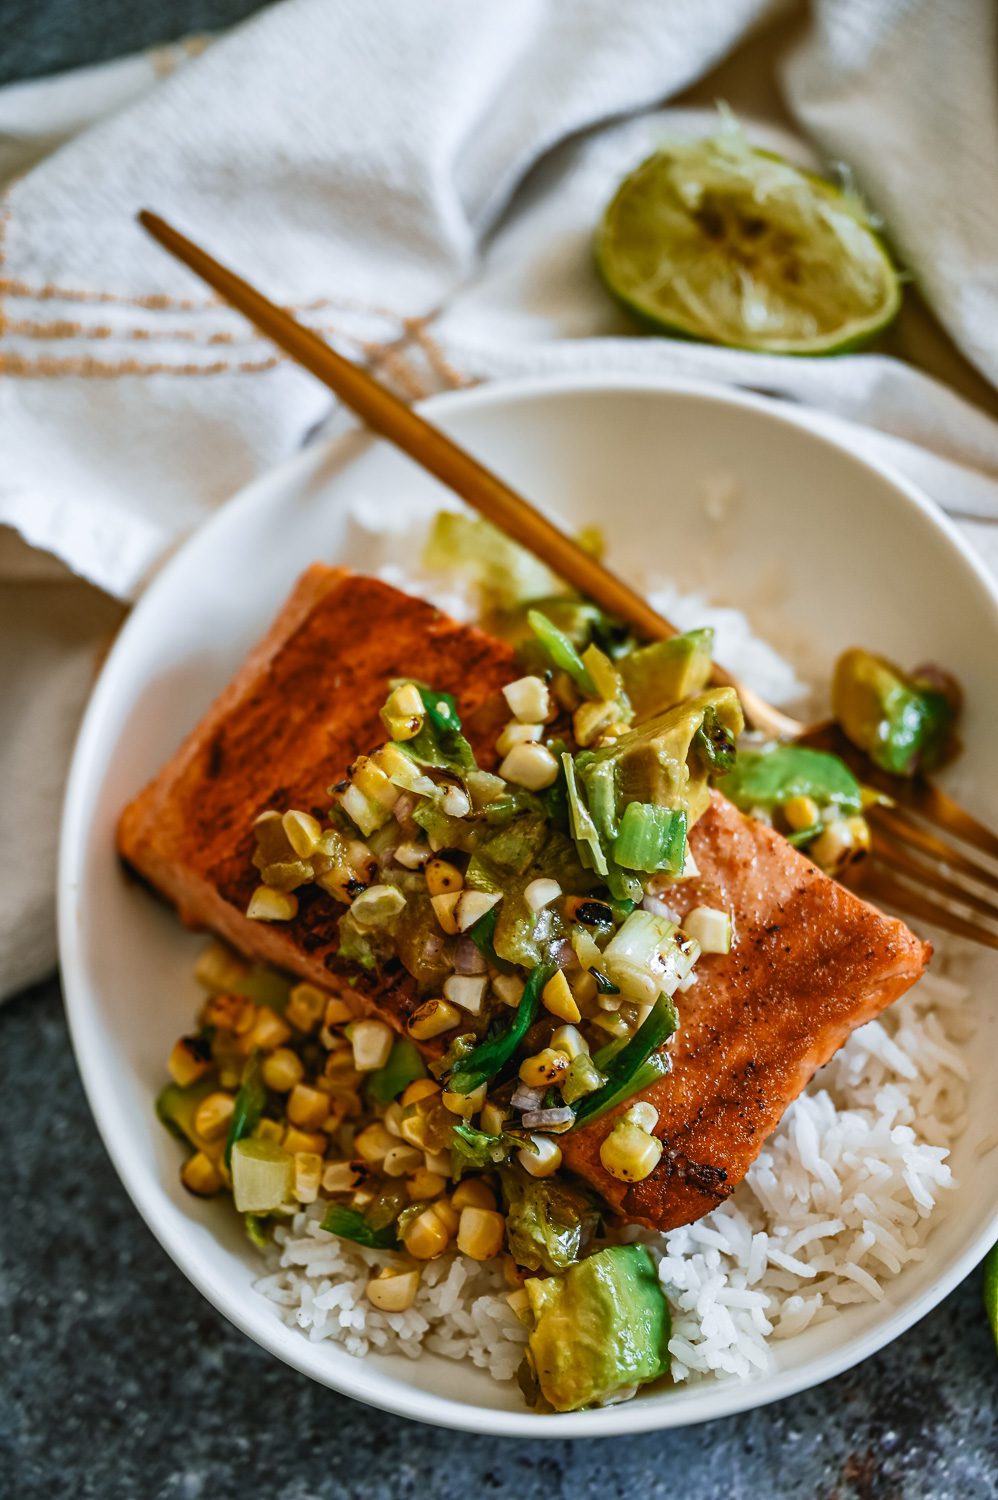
x=712, y=239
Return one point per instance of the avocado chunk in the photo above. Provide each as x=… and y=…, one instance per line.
x=176, y=1107
x=601, y=1327
x=659, y=676
x=905, y=724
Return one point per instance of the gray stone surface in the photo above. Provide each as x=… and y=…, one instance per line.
x=119, y=1382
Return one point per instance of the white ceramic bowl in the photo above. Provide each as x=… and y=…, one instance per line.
x=848, y=553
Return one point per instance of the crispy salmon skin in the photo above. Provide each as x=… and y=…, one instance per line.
x=809, y=963
x=301, y=709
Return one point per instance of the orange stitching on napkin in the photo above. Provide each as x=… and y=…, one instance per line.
x=65, y=328
x=88, y=367
x=51, y=291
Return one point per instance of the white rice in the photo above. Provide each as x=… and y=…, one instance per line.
x=841, y=1198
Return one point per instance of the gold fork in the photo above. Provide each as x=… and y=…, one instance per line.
x=912, y=868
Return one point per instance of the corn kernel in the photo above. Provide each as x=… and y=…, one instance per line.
x=541, y=892
x=307, y=1107
x=448, y=1215
x=445, y=910
x=508, y=988
x=420, y=1088
x=213, y=1116
x=471, y=907
x=200, y=1175
x=528, y=699
x=426, y=1236
x=473, y=1192
x=543, y=1160
x=270, y=1130
x=559, y=1000
x=431, y=1019
x=442, y=877
x=270, y=1030
x=518, y=734
x=282, y=1070
x=643, y=1115
x=569, y=1039
x=371, y=1042
x=494, y=1118
x=338, y=1011
x=456, y=803
x=392, y=1291
x=305, y=1005
x=235, y=1013
x=543, y=1069
x=302, y=831
x=268, y=905
x=219, y=969
x=401, y=1160
x=341, y=1176
x=308, y=1174
x=530, y=766
x=629, y=1153
x=466, y=990
x=481, y=1233
x=464, y=1105
x=373, y=1143
x=424, y=1185
x=593, y=719
x=801, y=813
x=404, y=712
x=412, y=1129
x=189, y=1060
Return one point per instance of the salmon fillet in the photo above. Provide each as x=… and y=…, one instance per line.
x=809, y=963
x=301, y=709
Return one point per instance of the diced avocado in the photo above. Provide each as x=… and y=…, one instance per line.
x=905, y=724
x=652, y=762
x=548, y=1221
x=658, y=676
x=176, y=1108
x=602, y=1326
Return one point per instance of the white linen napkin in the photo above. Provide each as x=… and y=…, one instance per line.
x=422, y=182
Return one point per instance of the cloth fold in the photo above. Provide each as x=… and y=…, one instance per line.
x=421, y=183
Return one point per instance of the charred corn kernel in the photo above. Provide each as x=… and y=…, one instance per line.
x=305, y=1006
x=518, y=734
x=341, y=1176
x=445, y=910
x=541, y=892
x=412, y=1129
x=338, y=1011
x=373, y=1143
x=268, y=905
x=308, y=1175
x=473, y=1192
x=543, y=1069
x=456, y=803
x=840, y=843
x=528, y=699
x=190, y=1059
x=296, y=1139
x=559, y=1000
x=465, y=1105
x=307, y=1107
x=494, y=1118
x=801, y=813
x=593, y=719
x=371, y=1042
x=401, y=1160
x=282, y=1070
x=302, y=831
x=427, y=1235
x=393, y=1291
x=530, y=766
x=643, y=1115
x=404, y=713
x=569, y=1039
x=420, y=1088
x=270, y=1030
x=200, y=1175
x=466, y=990
x=213, y=1116
x=423, y=1185
x=629, y=1153
x=543, y=1160
x=508, y=988
x=442, y=877
x=235, y=1013
x=481, y=1233
x=270, y=1130
x=471, y=907
x=218, y=968
x=431, y=1019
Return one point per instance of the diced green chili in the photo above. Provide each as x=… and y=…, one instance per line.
x=485, y=1061
x=250, y=1103
x=624, y=1066
x=560, y=652
x=351, y=1225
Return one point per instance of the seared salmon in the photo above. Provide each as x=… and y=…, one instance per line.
x=809, y=963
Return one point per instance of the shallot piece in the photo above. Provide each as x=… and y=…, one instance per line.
x=467, y=958
x=527, y=1098
x=548, y=1119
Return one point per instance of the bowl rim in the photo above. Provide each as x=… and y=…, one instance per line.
x=357, y=1378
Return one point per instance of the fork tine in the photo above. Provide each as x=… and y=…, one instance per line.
x=898, y=826
x=885, y=889
x=931, y=876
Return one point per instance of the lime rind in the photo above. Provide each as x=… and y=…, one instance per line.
x=715, y=240
x=991, y=1290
